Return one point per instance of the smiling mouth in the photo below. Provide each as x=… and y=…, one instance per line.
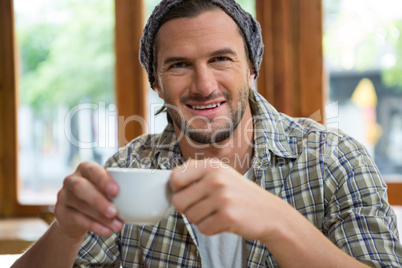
x=206, y=107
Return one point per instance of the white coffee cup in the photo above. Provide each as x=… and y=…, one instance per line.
x=144, y=195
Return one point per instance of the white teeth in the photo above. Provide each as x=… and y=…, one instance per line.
x=201, y=107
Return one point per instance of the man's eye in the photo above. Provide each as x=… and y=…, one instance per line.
x=178, y=65
x=222, y=58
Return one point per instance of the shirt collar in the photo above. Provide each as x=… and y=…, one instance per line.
x=167, y=151
x=270, y=132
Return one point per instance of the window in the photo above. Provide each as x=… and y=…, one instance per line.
x=65, y=73
x=362, y=45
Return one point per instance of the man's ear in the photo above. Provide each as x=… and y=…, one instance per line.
x=251, y=78
x=158, y=89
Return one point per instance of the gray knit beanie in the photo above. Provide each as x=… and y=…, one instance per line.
x=249, y=26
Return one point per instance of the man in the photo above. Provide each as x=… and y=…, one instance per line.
x=252, y=187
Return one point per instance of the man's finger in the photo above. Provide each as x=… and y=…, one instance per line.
x=99, y=177
x=188, y=173
x=83, y=190
x=192, y=171
x=86, y=223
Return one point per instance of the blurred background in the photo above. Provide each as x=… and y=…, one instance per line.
x=363, y=60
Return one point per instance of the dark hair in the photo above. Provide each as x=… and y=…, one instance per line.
x=191, y=9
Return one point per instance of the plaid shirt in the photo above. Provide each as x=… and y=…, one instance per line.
x=324, y=174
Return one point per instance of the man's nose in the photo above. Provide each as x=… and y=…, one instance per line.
x=204, y=82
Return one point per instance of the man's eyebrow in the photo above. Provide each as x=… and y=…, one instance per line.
x=224, y=51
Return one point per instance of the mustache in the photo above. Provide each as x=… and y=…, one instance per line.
x=201, y=98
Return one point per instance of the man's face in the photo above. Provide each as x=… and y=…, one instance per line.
x=203, y=75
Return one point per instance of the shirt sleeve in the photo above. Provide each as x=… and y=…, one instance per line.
x=99, y=251
x=359, y=219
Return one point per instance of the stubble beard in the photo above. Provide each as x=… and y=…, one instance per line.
x=208, y=134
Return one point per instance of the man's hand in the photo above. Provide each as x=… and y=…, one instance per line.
x=82, y=204
x=216, y=198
